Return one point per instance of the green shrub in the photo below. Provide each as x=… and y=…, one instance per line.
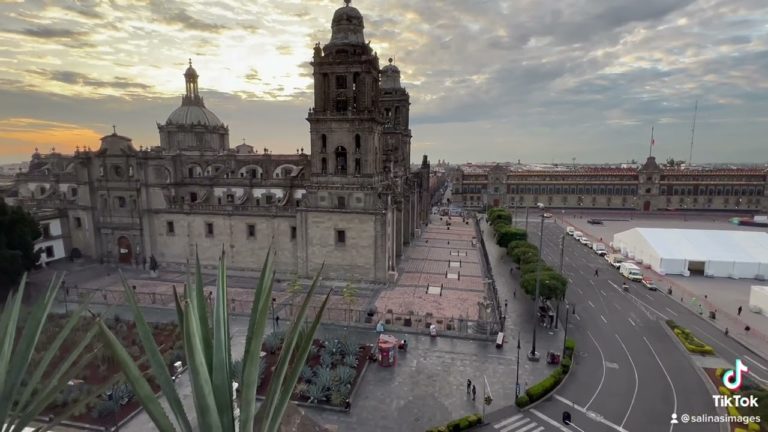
x=753, y=427
x=732, y=411
x=522, y=401
x=570, y=344
x=473, y=419
x=453, y=426
x=505, y=235
x=542, y=388
x=103, y=409
x=719, y=372
x=565, y=365
x=739, y=430
x=724, y=391
x=464, y=424
x=519, y=244
x=499, y=214
x=531, y=268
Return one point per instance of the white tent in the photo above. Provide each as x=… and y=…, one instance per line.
x=716, y=253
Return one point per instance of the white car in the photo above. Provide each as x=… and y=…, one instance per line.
x=583, y=240
x=588, y=244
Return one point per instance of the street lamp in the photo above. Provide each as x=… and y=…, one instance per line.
x=562, y=257
x=517, y=369
x=274, y=320
x=565, y=336
x=533, y=355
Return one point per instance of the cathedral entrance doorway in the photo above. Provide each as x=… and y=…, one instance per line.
x=647, y=206
x=124, y=250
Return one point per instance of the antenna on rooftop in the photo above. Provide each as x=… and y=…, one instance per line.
x=693, y=131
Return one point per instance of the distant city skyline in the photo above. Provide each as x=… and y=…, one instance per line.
x=490, y=80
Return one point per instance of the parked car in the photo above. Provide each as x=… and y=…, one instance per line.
x=588, y=244
x=547, y=215
x=583, y=240
x=595, y=221
x=648, y=282
x=615, y=259
x=599, y=248
x=578, y=235
x=570, y=230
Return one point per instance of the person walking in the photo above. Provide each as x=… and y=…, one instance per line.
x=474, y=392
x=469, y=385
x=746, y=330
x=597, y=274
x=738, y=313
x=726, y=332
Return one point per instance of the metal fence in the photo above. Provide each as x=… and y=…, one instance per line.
x=408, y=323
x=492, y=291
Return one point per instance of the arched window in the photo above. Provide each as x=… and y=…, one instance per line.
x=341, y=160
x=397, y=116
x=101, y=171
x=324, y=166
x=357, y=143
x=130, y=170
x=323, y=143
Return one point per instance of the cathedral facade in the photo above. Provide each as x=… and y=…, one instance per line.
x=351, y=202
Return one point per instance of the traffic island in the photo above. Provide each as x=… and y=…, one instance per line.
x=542, y=389
x=462, y=424
x=689, y=341
x=749, y=388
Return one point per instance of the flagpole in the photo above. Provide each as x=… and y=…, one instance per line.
x=650, y=149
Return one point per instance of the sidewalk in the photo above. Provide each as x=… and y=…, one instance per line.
x=520, y=310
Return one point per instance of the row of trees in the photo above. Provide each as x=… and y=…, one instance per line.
x=18, y=232
x=526, y=256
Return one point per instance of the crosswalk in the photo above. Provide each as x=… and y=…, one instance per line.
x=518, y=423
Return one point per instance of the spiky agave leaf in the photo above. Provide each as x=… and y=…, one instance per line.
x=222, y=361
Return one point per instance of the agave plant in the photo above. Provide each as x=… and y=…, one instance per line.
x=345, y=375
x=20, y=403
x=209, y=357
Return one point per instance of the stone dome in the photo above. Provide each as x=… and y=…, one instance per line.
x=390, y=76
x=347, y=26
x=193, y=115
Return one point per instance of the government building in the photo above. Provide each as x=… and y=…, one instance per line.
x=649, y=187
x=351, y=200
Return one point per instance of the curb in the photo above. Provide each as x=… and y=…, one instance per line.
x=549, y=395
x=737, y=339
x=724, y=427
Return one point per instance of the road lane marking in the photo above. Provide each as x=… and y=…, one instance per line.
x=637, y=382
x=674, y=392
x=631, y=322
x=602, y=379
x=591, y=414
x=550, y=421
x=614, y=285
x=603, y=293
x=507, y=421
x=590, y=303
x=617, y=306
x=671, y=311
x=580, y=291
x=604, y=320
x=577, y=317
x=592, y=282
x=755, y=362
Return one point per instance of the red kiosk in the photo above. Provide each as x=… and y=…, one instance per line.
x=387, y=347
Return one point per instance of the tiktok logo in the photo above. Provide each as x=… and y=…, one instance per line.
x=732, y=378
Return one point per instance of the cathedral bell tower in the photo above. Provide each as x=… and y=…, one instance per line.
x=395, y=103
x=346, y=121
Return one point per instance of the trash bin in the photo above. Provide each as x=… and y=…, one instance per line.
x=712, y=315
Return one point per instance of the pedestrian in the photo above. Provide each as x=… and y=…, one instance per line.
x=597, y=274
x=505, y=303
x=143, y=262
x=474, y=392
x=726, y=331
x=277, y=320
x=739, y=311
x=747, y=329
x=469, y=385
x=705, y=296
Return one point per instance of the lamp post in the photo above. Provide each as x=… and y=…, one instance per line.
x=565, y=336
x=517, y=368
x=274, y=321
x=526, y=218
x=562, y=257
x=533, y=355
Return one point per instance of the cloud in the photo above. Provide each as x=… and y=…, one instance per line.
x=81, y=79
x=49, y=33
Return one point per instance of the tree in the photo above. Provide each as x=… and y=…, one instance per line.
x=553, y=285
x=507, y=235
x=349, y=293
x=519, y=244
x=531, y=268
x=527, y=256
x=671, y=162
x=208, y=352
x=499, y=214
x=18, y=232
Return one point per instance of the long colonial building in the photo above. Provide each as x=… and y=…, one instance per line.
x=352, y=201
x=647, y=188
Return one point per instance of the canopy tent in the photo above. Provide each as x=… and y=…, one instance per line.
x=715, y=253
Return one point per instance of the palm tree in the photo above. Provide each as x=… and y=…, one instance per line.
x=23, y=393
x=210, y=360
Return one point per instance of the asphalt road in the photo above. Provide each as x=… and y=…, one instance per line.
x=630, y=374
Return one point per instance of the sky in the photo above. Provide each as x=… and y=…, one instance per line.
x=490, y=80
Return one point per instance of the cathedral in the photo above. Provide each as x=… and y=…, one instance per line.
x=351, y=201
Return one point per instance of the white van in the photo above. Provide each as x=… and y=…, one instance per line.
x=599, y=249
x=570, y=230
x=578, y=235
x=631, y=271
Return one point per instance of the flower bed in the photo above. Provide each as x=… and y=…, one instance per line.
x=462, y=424
x=332, y=371
x=541, y=389
x=100, y=410
x=747, y=389
x=689, y=341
